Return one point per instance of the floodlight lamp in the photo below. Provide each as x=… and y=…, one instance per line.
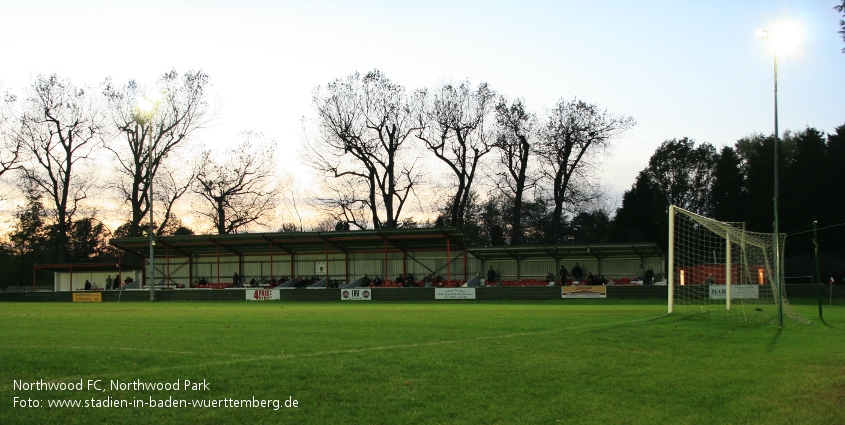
x=153, y=96
x=149, y=101
x=145, y=105
x=784, y=37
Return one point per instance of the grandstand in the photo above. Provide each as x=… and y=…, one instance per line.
x=343, y=257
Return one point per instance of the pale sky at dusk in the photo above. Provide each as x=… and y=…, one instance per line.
x=679, y=68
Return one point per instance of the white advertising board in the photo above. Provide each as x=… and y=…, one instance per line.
x=262, y=294
x=719, y=292
x=356, y=294
x=454, y=293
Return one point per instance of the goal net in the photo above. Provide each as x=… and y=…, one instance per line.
x=720, y=268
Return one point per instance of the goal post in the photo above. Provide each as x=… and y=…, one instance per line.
x=670, y=281
x=721, y=268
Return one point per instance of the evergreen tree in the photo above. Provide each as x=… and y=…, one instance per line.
x=590, y=227
x=642, y=215
x=728, y=196
x=28, y=242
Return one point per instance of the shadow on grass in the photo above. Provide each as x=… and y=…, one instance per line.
x=825, y=323
x=774, y=341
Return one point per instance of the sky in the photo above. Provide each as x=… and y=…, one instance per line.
x=679, y=68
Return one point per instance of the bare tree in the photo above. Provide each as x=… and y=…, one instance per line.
x=10, y=145
x=346, y=202
x=574, y=131
x=365, y=123
x=171, y=185
x=59, y=127
x=456, y=126
x=517, y=127
x=181, y=111
x=240, y=187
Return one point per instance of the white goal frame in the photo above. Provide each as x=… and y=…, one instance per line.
x=750, y=265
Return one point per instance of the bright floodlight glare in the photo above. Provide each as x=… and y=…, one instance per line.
x=784, y=37
x=153, y=96
x=148, y=103
x=145, y=105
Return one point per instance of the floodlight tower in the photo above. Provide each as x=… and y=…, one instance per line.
x=148, y=105
x=782, y=37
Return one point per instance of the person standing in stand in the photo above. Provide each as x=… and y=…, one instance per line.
x=491, y=277
x=577, y=274
x=648, y=278
x=563, y=273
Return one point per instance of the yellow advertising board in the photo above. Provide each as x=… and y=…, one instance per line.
x=581, y=291
x=87, y=297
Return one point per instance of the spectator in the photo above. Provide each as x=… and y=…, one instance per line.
x=377, y=281
x=400, y=279
x=577, y=273
x=592, y=279
x=648, y=277
x=602, y=280
x=87, y=285
x=365, y=280
x=108, y=283
x=563, y=273
x=491, y=277
x=252, y=282
x=236, y=279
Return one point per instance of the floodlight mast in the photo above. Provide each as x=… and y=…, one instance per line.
x=147, y=105
x=777, y=266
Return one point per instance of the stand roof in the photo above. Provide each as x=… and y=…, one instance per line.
x=362, y=241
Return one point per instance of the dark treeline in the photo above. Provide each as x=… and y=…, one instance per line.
x=736, y=184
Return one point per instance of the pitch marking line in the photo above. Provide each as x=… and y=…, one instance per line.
x=250, y=359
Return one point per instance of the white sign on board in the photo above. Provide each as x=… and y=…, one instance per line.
x=454, y=293
x=719, y=292
x=356, y=294
x=262, y=294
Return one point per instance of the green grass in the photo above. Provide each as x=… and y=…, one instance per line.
x=424, y=362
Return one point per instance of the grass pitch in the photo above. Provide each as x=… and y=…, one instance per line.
x=579, y=361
